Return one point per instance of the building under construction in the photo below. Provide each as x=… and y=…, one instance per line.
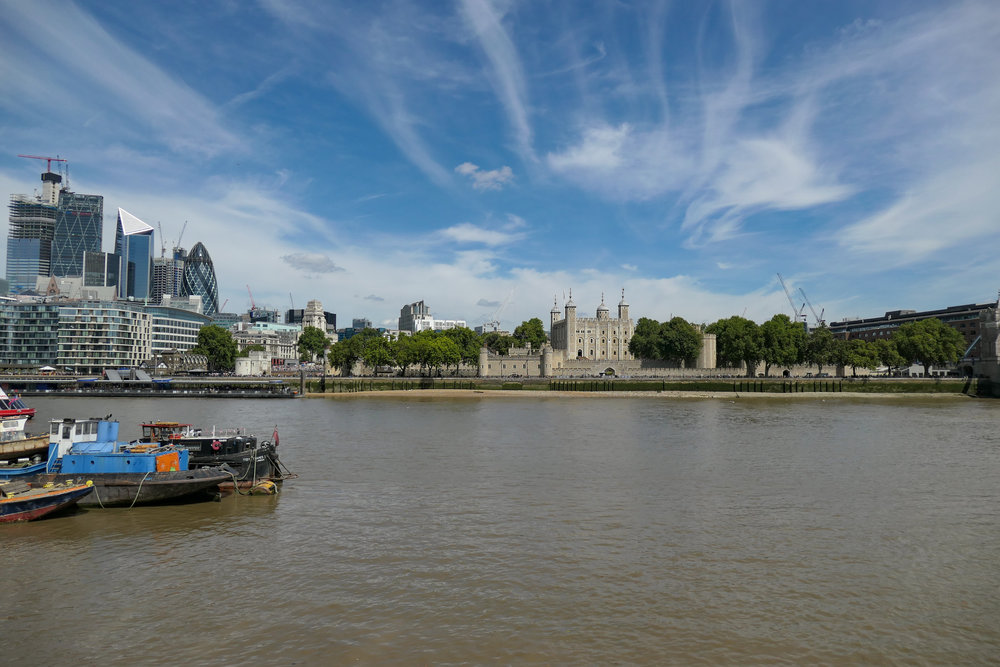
x=50, y=232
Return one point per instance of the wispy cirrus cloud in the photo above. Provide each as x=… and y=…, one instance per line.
x=815, y=131
x=506, y=72
x=124, y=94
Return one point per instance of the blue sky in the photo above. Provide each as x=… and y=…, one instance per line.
x=487, y=156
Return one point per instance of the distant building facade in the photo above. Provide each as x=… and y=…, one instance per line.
x=417, y=316
x=966, y=319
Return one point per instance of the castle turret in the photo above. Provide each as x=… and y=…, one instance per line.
x=602, y=310
x=571, y=325
x=623, y=308
x=555, y=314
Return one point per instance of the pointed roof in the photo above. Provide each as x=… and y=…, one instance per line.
x=130, y=224
x=602, y=307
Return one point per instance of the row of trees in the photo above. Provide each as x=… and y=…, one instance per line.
x=781, y=342
x=739, y=342
x=676, y=341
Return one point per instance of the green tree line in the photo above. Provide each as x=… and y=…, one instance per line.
x=779, y=342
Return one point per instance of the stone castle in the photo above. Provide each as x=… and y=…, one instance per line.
x=584, y=347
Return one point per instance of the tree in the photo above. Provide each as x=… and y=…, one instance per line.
x=737, y=341
x=782, y=342
x=819, y=347
x=377, y=352
x=859, y=353
x=344, y=354
x=404, y=353
x=644, y=343
x=498, y=343
x=531, y=331
x=469, y=343
x=312, y=343
x=448, y=353
x=888, y=355
x=218, y=346
x=678, y=341
x=929, y=342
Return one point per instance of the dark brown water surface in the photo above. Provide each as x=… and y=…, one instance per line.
x=539, y=530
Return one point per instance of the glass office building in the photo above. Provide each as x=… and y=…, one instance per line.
x=199, y=278
x=134, y=247
x=78, y=229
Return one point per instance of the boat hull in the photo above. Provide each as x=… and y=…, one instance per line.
x=31, y=506
x=127, y=489
x=25, y=447
x=250, y=467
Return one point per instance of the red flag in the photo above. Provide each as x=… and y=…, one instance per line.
x=274, y=438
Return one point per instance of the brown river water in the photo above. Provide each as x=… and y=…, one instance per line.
x=538, y=530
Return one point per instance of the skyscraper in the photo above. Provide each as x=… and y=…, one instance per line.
x=168, y=275
x=78, y=229
x=32, y=227
x=199, y=278
x=134, y=247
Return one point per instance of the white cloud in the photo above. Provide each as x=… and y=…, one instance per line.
x=311, y=262
x=493, y=179
x=469, y=233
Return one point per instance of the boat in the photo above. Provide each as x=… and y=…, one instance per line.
x=124, y=473
x=13, y=406
x=20, y=454
x=21, y=501
x=256, y=464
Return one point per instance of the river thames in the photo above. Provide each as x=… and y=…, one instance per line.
x=538, y=529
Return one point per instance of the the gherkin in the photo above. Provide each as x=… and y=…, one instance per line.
x=199, y=278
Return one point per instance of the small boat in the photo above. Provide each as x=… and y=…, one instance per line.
x=13, y=406
x=255, y=464
x=20, y=454
x=21, y=501
x=124, y=473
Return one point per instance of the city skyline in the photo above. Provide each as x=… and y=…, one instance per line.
x=476, y=154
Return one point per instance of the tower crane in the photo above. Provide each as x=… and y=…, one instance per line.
x=820, y=322
x=494, y=322
x=799, y=314
x=49, y=160
x=163, y=240
x=181, y=235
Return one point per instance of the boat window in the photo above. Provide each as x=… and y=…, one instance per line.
x=79, y=429
x=68, y=432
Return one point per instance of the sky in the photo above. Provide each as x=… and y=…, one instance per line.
x=492, y=158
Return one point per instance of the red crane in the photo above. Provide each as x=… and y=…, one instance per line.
x=253, y=306
x=50, y=160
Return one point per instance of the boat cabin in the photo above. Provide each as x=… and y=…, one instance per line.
x=90, y=446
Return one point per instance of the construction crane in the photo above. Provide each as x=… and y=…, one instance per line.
x=799, y=312
x=291, y=300
x=494, y=322
x=223, y=307
x=253, y=306
x=163, y=241
x=181, y=235
x=820, y=322
x=49, y=160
